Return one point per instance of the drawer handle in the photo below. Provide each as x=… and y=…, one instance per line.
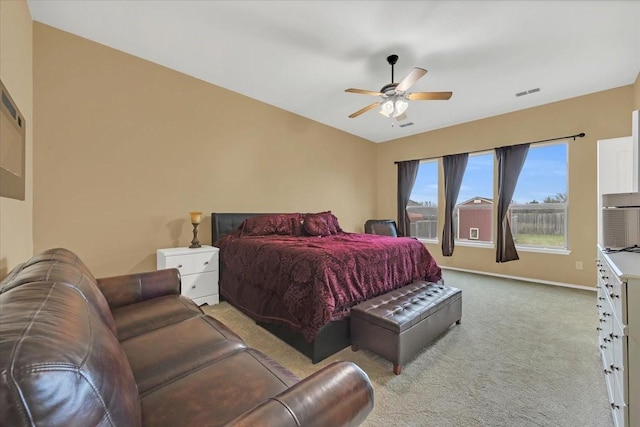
x=605, y=314
x=179, y=265
x=206, y=262
x=614, y=367
x=193, y=286
x=602, y=347
x=598, y=328
x=612, y=335
x=602, y=320
x=600, y=298
x=614, y=406
x=607, y=372
x=612, y=295
x=598, y=305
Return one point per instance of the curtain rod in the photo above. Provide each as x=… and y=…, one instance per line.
x=577, y=135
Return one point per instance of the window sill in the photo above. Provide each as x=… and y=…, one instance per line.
x=490, y=245
x=553, y=251
x=430, y=241
x=470, y=244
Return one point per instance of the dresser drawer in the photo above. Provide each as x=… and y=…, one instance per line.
x=615, y=289
x=200, y=285
x=205, y=262
x=619, y=359
x=195, y=263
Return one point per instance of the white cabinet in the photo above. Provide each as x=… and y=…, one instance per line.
x=198, y=269
x=615, y=170
x=619, y=332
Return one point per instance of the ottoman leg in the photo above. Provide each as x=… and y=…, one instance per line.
x=355, y=347
x=458, y=321
x=397, y=369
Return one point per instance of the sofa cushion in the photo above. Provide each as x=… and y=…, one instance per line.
x=61, y=255
x=178, y=350
x=73, y=274
x=217, y=393
x=136, y=319
x=63, y=366
x=9, y=277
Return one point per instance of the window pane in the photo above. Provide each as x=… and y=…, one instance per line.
x=423, y=203
x=473, y=214
x=539, y=206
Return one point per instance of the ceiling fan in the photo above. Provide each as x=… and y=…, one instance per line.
x=394, y=97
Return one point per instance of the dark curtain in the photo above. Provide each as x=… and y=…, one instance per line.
x=510, y=162
x=407, y=172
x=454, y=167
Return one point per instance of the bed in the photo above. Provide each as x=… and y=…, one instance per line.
x=298, y=275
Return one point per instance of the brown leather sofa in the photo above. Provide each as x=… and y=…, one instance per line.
x=131, y=351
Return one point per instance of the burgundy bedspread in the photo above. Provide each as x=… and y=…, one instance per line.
x=306, y=282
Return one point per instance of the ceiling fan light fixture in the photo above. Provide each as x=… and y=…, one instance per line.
x=387, y=108
x=401, y=106
x=394, y=107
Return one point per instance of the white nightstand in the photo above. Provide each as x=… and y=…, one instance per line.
x=198, y=268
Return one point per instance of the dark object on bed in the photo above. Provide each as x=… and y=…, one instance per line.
x=383, y=227
x=298, y=275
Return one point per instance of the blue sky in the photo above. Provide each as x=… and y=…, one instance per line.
x=544, y=174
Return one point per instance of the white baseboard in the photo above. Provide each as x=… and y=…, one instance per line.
x=524, y=279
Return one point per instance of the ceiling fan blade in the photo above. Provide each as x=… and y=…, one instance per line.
x=429, y=96
x=364, y=110
x=362, y=91
x=411, y=78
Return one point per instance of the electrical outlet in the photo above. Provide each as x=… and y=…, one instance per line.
x=579, y=265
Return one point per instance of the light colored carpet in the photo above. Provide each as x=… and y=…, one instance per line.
x=525, y=355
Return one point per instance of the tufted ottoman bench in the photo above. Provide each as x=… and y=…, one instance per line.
x=400, y=323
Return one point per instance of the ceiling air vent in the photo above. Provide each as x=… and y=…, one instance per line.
x=527, y=92
x=404, y=125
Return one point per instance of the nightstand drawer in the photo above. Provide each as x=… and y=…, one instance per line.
x=183, y=263
x=200, y=285
x=205, y=262
x=195, y=263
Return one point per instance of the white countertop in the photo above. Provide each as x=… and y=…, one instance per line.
x=626, y=264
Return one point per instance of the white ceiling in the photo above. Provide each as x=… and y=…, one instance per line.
x=301, y=55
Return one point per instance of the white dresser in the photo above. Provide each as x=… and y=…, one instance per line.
x=198, y=269
x=619, y=329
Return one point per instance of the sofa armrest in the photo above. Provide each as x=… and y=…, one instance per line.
x=133, y=288
x=340, y=394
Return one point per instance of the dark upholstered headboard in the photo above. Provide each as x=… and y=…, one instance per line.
x=224, y=223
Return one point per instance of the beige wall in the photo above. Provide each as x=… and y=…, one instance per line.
x=16, y=71
x=601, y=115
x=126, y=148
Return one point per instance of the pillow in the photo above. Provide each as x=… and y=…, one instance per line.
x=331, y=220
x=297, y=227
x=316, y=225
x=264, y=225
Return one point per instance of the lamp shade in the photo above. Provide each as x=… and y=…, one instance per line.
x=195, y=217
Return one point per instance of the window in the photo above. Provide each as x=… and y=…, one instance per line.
x=473, y=213
x=423, y=203
x=538, y=211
